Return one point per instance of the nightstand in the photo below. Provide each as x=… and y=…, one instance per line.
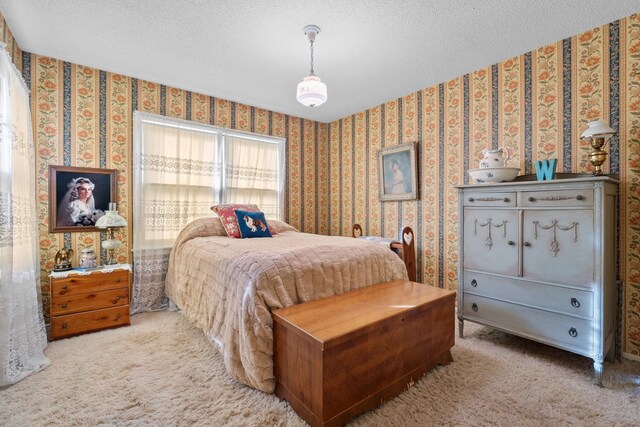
x=87, y=301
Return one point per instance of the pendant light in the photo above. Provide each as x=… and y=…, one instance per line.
x=311, y=91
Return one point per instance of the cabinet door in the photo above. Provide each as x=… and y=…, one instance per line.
x=491, y=240
x=558, y=246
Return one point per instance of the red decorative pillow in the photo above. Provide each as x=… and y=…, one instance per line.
x=228, y=217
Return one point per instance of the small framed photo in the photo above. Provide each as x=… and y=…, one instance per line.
x=78, y=197
x=398, y=173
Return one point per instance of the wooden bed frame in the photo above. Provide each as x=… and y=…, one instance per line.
x=405, y=249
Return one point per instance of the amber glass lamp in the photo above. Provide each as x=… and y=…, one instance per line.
x=597, y=134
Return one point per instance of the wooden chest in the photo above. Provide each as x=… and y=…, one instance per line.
x=89, y=301
x=340, y=356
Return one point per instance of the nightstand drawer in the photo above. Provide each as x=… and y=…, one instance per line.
x=74, y=324
x=94, y=282
x=67, y=304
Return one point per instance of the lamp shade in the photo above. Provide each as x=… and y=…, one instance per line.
x=597, y=128
x=312, y=92
x=111, y=219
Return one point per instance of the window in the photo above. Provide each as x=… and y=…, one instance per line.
x=183, y=168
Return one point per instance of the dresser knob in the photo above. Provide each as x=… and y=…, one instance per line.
x=64, y=326
x=474, y=307
x=573, y=332
x=117, y=316
x=118, y=280
x=575, y=302
x=579, y=197
x=64, y=306
x=527, y=244
x=511, y=243
x=474, y=283
x=64, y=286
x=507, y=200
x=471, y=199
x=532, y=199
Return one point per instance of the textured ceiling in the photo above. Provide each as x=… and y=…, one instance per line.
x=255, y=52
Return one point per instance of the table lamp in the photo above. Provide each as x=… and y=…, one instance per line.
x=110, y=221
x=597, y=134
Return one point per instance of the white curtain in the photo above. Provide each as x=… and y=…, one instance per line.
x=178, y=176
x=22, y=331
x=176, y=179
x=253, y=173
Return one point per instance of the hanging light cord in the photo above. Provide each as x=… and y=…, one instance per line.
x=311, y=48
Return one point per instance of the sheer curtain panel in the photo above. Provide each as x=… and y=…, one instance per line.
x=22, y=331
x=181, y=169
x=254, y=172
x=176, y=177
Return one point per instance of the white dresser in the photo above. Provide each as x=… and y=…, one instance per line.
x=538, y=259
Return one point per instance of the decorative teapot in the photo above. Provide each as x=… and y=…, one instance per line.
x=493, y=158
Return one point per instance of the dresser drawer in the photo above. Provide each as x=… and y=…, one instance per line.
x=77, y=284
x=540, y=324
x=73, y=324
x=507, y=199
x=557, y=198
x=556, y=298
x=67, y=304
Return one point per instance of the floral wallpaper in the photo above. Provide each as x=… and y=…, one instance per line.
x=536, y=105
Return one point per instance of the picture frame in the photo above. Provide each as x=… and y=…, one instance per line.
x=78, y=196
x=398, y=173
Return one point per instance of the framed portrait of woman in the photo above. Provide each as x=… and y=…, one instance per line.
x=78, y=197
x=398, y=174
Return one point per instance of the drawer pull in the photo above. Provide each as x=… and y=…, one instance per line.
x=64, y=286
x=474, y=283
x=556, y=198
x=490, y=199
x=573, y=332
x=511, y=243
x=64, y=326
x=117, y=316
x=527, y=244
x=118, y=280
x=64, y=306
x=575, y=302
x=474, y=307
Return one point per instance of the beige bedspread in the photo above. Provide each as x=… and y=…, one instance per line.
x=228, y=287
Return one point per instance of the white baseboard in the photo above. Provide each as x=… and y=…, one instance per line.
x=631, y=356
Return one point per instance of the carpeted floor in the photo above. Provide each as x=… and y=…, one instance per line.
x=162, y=371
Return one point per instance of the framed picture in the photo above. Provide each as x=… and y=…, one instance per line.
x=78, y=197
x=398, y=173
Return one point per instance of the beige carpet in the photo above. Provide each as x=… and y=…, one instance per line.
x=162, y=371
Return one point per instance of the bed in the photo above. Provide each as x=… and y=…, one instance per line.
x=228, y=287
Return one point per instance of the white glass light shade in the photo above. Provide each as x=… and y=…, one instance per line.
x=312, y=92
x=111, y=219
x=597, y=128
